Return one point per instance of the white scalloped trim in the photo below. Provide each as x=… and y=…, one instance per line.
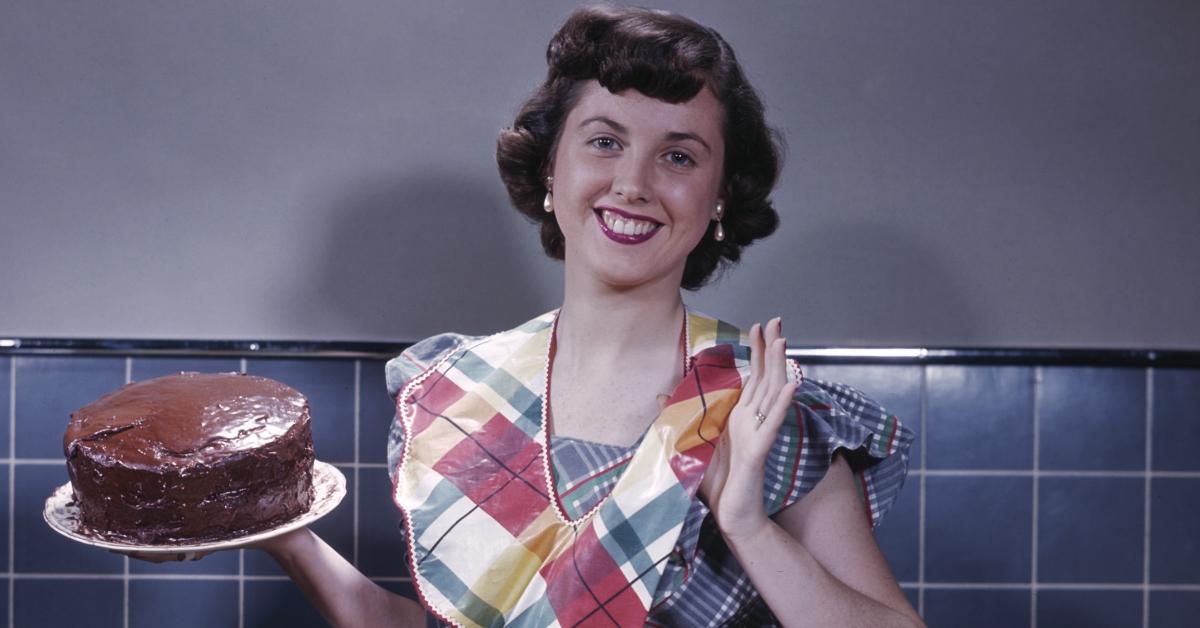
x=407, y=411
x=795, y=370
x=544, y=435
x=544, y=432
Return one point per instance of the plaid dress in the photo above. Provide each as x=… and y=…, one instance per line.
x=700, y=583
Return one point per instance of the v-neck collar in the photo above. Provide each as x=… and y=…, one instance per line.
x=699, y=332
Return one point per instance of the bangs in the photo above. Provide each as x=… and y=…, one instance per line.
x=666, y=57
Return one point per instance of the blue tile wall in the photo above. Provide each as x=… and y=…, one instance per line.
x=1176, y=420
x=5, y=471
x=962, y=537
x=1174, y=609
x=40, y=603
x=279, y=603
x=5, y=414
x=49, y=389
x=1093, y=609
x=977, y=608
x=154, y=603
x=1093, y=419
x=1091, y=526
x=978, y=529
x=375, y=412
x=36, y=547
x=381, y=551
x=980, y=417
x=1175, y=531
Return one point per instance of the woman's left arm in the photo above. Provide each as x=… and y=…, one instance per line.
x=816, y=563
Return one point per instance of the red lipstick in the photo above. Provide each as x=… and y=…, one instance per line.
x=626, y=228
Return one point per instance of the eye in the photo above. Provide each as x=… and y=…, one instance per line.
x=680, y=158
x=605, y=142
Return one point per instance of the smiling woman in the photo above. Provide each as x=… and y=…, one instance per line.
x=622, y=460
x=614, y=50
x=635, y=184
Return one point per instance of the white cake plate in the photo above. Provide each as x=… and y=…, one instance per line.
x=61, y=512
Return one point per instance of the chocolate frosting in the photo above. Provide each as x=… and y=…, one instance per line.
x=191, y=457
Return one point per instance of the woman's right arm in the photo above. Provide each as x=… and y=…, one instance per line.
x=343, y=595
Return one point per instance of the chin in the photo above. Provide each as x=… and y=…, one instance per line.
x=631, y=279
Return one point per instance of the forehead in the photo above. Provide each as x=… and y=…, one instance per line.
x=702, y=115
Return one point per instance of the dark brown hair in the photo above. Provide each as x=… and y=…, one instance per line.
x=664, y=56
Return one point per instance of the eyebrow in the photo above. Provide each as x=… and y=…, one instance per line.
x=674, y=136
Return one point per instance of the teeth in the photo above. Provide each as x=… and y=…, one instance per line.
x=626, y=226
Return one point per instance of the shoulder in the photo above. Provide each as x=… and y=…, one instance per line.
x=427, y=353
x=420, y=356
x=827, y=417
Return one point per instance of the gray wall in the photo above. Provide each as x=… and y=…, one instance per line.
x=986, y=173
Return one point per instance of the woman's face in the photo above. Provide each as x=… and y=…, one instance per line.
x=636, y=183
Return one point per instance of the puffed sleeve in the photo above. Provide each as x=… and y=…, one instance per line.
x=409, y=364
x=823, y=418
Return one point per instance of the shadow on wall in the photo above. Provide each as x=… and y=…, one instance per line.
x=429, y=253
x=870, y=278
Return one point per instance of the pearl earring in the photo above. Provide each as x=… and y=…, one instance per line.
x=719, y=232
x=548, y=203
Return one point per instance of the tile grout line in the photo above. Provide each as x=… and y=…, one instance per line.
x=243, y=367
x=921, y=494
x=1062, y=586
x=357, y=410
x=42, y=462
x=914, y=472
x=1050, y=473
x=1044, y=586
x=241, y=582
x=1146, y=498
x=241, y=574
x=125, y=559
x=12, y=484
x=1033, y=545
x=253, y=578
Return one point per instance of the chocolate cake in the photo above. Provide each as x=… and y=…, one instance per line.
x=191, y=458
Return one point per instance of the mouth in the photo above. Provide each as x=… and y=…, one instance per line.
x=625, y=228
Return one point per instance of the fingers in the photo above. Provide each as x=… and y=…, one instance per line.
x=767, y=381
x=768, y=365
x=750, y=385
x=776, y=364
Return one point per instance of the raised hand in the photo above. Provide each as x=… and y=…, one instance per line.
x=733, y=484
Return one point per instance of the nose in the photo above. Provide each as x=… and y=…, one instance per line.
x=632, y=180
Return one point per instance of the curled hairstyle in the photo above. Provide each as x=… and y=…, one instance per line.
x=663, y=56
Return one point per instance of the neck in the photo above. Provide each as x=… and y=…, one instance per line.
x=608, y=325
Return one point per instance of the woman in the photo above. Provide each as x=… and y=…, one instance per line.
x=605, y=464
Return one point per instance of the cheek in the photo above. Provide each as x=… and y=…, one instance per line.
x=697, y=205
